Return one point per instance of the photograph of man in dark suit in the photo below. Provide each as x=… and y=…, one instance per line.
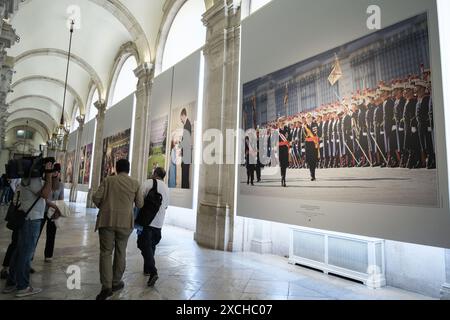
x=186, y=150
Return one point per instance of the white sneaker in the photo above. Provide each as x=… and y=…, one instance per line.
x=9, y=289
x=28, y=292
x=48, y=259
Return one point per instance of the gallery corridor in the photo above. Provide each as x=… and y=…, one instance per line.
x=186, y=270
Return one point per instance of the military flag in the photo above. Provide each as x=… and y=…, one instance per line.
x=336, y=73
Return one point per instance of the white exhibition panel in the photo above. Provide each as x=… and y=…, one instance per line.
x=185, y=88
x=72, y=141
x=88, y=133
x=286, y=32
x=119, y=117
x=161, y=95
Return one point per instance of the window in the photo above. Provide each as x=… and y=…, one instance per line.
x=24, y=134
x=186, y=34
x=126, y=81
x=92, y=109
x=257, y=4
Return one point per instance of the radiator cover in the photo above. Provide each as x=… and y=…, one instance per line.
x=353, y=257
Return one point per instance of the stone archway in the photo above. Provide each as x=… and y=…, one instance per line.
x=63, y=54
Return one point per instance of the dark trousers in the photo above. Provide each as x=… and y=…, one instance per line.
x=50, y=238
x=250, y=173
x=258, y=172
x=283, y=173
x=12, y=246
x=147, y=242
x=185, y=172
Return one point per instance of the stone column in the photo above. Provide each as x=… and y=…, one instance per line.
x=445, y=290
x=141, y=146
x=76, y=163
x=96, y=169
x=215, y=219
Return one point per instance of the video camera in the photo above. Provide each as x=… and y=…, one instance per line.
x=29, y=167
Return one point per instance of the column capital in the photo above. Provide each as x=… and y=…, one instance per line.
x=80, y=120
x=144, y=70
x=100, y=105
x=220, y=10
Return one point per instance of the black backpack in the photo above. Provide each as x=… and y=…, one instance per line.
x=152, y=203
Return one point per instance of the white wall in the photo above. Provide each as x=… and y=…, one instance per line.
x=416, y=268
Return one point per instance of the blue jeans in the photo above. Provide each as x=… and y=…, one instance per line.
x=19, y=267
x=6, y=195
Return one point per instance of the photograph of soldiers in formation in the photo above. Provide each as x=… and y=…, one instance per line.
x=358, y=119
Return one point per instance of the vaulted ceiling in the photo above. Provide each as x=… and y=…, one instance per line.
x=41, y=55
x=105, y=27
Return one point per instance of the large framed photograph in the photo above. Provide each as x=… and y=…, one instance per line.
x=69, y=167
x=158, y=143
x=368, y=103
x=115, y=148
x=181, y=147
x=87, y=163
x=350, y=120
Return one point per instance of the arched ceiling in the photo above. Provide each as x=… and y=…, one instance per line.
x=41, y=55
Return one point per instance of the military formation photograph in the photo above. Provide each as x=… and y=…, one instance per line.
x=353, y=124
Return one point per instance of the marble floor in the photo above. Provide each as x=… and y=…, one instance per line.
x=186, y=270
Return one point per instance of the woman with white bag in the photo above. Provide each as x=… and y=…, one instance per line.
x=53, y=213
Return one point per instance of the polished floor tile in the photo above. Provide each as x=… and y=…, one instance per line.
x=186, y=271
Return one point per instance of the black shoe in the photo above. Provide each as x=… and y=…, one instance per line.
x=32, y=271
x=151, y=282
x=313, y=179
x=104, y=294
x=4, y=275
x=118, y=287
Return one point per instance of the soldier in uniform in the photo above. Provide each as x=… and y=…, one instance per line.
x=339, y=142
x=326, y=145
x=363, y=136
x=349, y=161
x=379, y=130
x=355, y=130
x=259, y=165
x=319, y=123
x=388, y=124
x=311, y=145
x=283, y=150
x=333, y=140
x=302, y=144
x=370, y=128
x=411, y=144
x=399, y=108
x=297, y=138
x=423, y=107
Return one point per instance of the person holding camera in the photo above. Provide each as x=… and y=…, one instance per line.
x=57, y=194
x=33, y=193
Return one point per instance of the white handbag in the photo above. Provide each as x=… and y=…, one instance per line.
x=63, y=208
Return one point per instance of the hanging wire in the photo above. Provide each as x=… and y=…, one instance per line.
x=67, y=72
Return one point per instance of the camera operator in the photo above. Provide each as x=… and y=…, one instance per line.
x=30, y=189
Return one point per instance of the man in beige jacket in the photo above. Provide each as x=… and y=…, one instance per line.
x=115, y=223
